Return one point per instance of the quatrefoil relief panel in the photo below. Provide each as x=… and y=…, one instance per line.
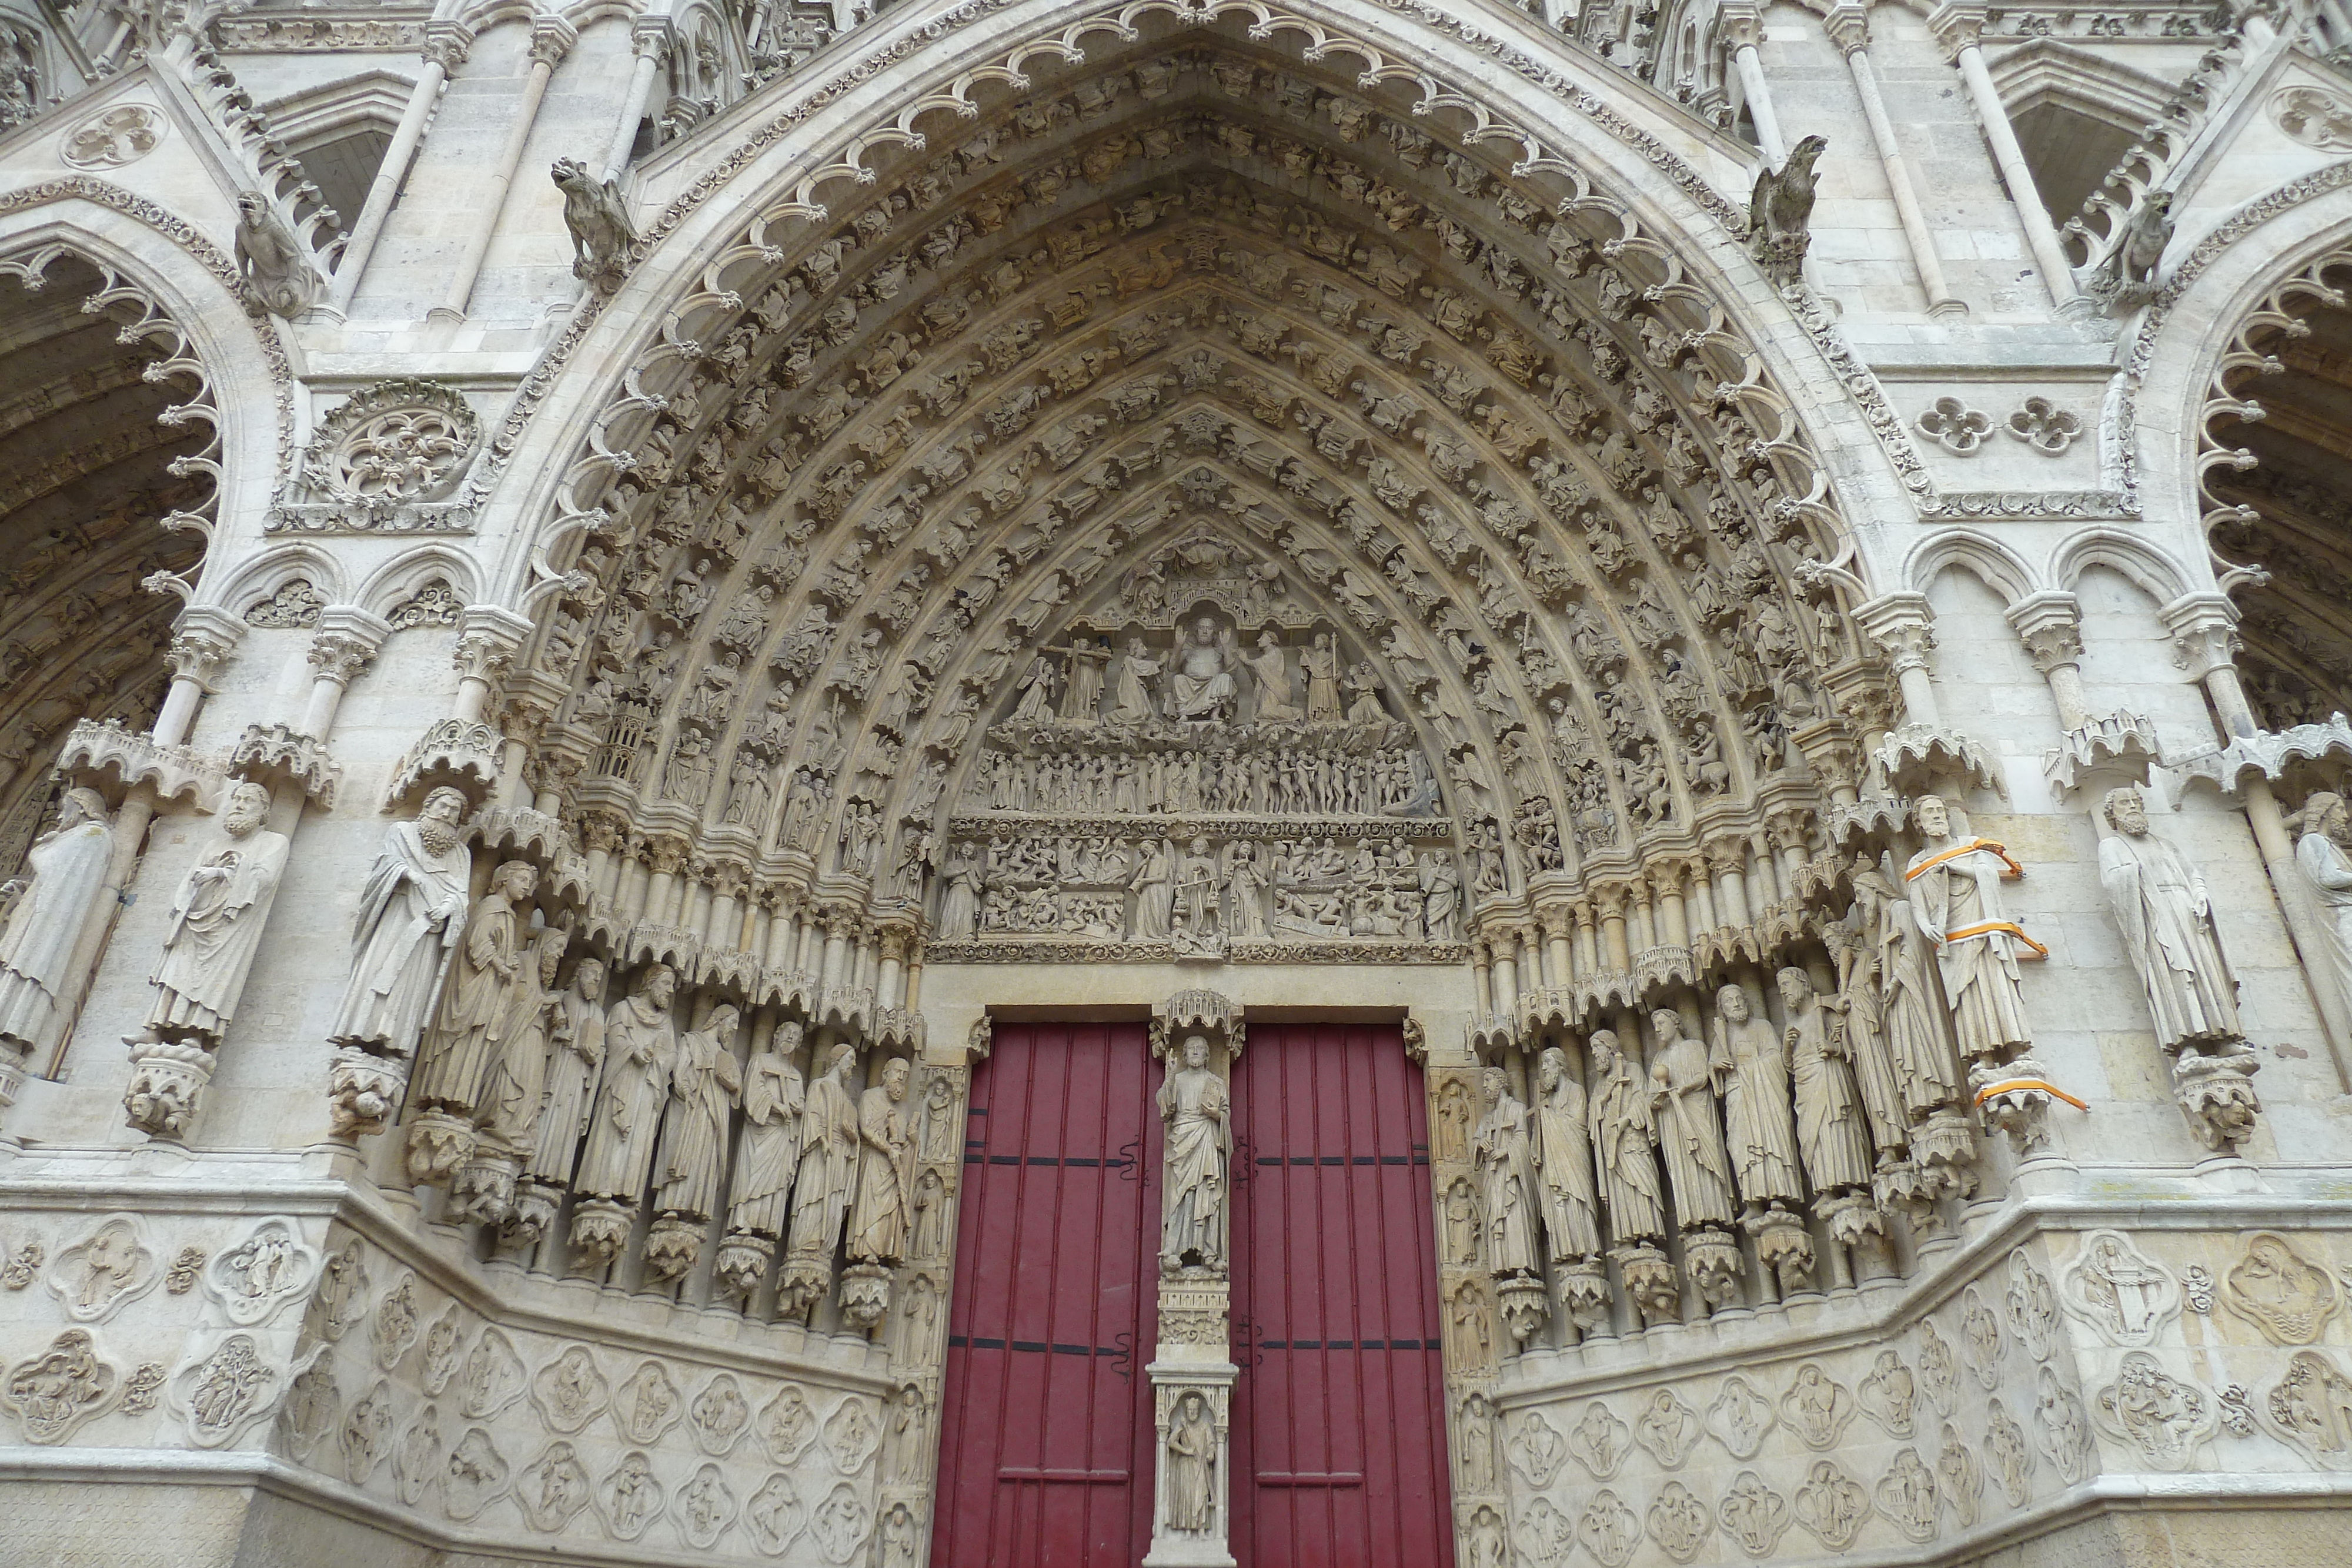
x=1955, y=426
x=2044, y=426
x=394, y=441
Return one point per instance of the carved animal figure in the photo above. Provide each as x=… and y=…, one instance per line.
x=1779, y=209
x=601, y=231
x=275, y=261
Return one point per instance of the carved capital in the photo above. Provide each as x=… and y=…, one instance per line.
x=1848, y=26
x=201, y=642
x=1790, y=828
x=1609, y=897
x=650, y=38
x=552, y=38
x=1726, y=854
x=2204, y=628
x=601, y=830
x=1955, y=28
x=1741, y=25
x=339, y=656
x=666, y=854
x=2050, y=627
x=1903, y=625
x=447, y=44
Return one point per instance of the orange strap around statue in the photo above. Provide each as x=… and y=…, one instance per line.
x=1932, y=862
x=2006, y=1084
x=1985, y=927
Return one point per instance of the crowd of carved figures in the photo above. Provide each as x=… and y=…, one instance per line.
x=1443, y=425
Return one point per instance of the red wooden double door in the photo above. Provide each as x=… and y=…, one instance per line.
x=1046, y=1440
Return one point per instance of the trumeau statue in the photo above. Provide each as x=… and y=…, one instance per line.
x=1750, y=1063
x=703, y=1085
x=2161, y=904
x=1682, y=1087
x=640, y=1049
x=470, y=1027
x=774, y=1097
x=1563, y=1154
x=1955, y=888
x=1828, y=1112
x=412, y=914
x=1504, y=1154
x=217, y=922
x=1625, y=1139
x=69, y=871
x=886, y=1168
x=1193, y=1104
x=576, y=1036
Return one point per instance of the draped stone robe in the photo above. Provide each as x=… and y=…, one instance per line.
x=774, y=1098
x=1624, y=1139
x=1564, y=1162
x=704, y=1084
x=2167, y=924
x=1828, y=1110
x=1961, y=892
x=576, y=1031
x=1689, y=1134
x=886, y=1178
x=217, y=917
x=828, y=1167
x=640, y=1049
x=471, y=1028
x=1753, y=1068
x=412, y=913
x=1193, y=1104
x=1505, y=1163
x=68, y=868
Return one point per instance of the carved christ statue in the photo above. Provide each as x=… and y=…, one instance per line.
x=1192, y=1103
x=216, y=921
x=412, y=913
x=1202, y=682
x=1955, y=888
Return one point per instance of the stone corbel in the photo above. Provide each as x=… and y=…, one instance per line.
x=2119, y=749
x=274, y=754
x=2264, y=755
x=1916, y=757
x=981, y=1041
x=462, y=753
x=114, y=760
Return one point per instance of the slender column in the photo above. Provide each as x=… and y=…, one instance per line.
x=347, y=639
x=2050, y=627
x=446, y=44
x=1849, y=28
x=1743, y=28
x=650, y=38
x=1957, y=30
x=487, y=641
x=1902, y=625
x=200, y=646
x=550, y=38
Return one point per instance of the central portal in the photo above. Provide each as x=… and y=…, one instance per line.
x=1336, y=1453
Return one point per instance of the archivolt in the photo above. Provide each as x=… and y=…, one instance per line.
x=1485, y=422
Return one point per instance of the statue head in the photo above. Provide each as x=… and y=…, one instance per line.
x=552, y=941
x=1550, y=1068
x=1193, y=1405
x=1796, y=988
x=1732, y=1003
x=1196, y=1051
x=787, y=1039
x=516, y=879
x=1934, y=818
x=896, y=1076
x=1204, y=630
x=79, y=806
x=445, y=805
x=660, y=986
x=1267, y=640
x=2126, y=810
x=588, y=979
x=1668, y=1023
x=1497, y=1084
x=720, y=1024
x=248, y=808
x=250, y=207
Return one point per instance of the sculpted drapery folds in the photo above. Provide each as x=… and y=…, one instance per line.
x=412, y=916
x=1201, y=684
x=1955, y=888
x=471, y=1027
x=216, y=921
x=1900, y=1028
x=1682, y=1087
x=703, y=1087
x=2161, y=903
x=515, y=1086
x=1751, y=1063
x=774, y=1098
x=640, y=1050
x=829, y=1158
x=1195, y=1106
x=68, y=868
x=1828, y=1112
x=1191, y=1466
x=1625, y=1143
x=2324, y=854
x=576, y=1031
x=1504, y=1154
x=886, y=1168
x=1563, y=1154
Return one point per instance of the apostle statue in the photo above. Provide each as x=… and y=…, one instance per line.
x=1906, y=1014
x=1828, y=1110
x=412, y=914
x=1504, y=1158
x=469, y=1028
x=1571, y=1211
x=1275, y=693
x=640, y=1049
x=2167, y=924
x=1200, y=682
x=1624, y=1141
x=514, y=1088
x=1682, y=1091
x=1319, y=663
x=1191, y=1466
x=828, y=1168
x=704, y=1083
x=886, y=1168
x=1195, y=1104
x=216, y=924
x=1751, y=1065
x=68, y=872
x=775, y=1096
x=2324, y=854
x=1955, y=888
x=576, y=1033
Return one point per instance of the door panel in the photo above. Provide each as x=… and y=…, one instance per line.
x=1045, y=1447
x=1338, y=1454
